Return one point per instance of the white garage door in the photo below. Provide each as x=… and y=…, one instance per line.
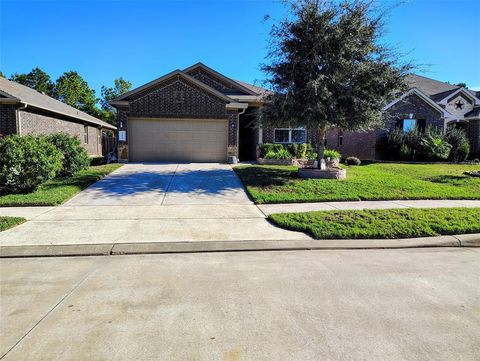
x=182, y=140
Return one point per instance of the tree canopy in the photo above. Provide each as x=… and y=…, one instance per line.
x=328, y=68
x=72, y=89
x=36, y=79
x=121, y=86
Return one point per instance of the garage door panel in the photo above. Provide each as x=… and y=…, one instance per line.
x=177, y=140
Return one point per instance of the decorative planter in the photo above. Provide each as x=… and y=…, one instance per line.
x=301, y=163
x=332, y=163
x=329, y=173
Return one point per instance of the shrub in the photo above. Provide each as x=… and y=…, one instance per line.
x=295, y=150
x=26, y=162
x=97, y=160
x=331, y=153
x=436, y=146
x=75, y=157
x=281, y=154
x=352, y=161
x=460, y=145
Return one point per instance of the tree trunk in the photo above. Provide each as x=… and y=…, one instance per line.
x=320, y=145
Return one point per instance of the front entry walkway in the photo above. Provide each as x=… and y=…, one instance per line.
x=141, y=203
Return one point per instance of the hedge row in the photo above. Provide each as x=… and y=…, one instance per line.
x=431, y=145
x=28, y=161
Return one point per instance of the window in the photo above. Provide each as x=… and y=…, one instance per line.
x=340, y=140
x=409, y=124
x=289, y=135
x=85, y=134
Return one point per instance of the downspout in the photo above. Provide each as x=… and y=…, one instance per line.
x=19, y=121
x=238, y=131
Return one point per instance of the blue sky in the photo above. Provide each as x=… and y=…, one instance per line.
x=142, y=40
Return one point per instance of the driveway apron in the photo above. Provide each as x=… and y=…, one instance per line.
x=153, y=203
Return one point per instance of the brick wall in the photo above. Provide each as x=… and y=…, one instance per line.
x=353, y=144
x=41, y=123
x=473, y=133
x=416, y=106
x=213, y=82
x=173, y=99
x=8, y=119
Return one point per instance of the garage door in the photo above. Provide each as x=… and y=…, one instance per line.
x=183, y=140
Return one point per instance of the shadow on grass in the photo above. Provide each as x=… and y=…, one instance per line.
x=447, y=179
x=265, y=176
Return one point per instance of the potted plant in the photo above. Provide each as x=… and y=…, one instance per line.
x=332, y=158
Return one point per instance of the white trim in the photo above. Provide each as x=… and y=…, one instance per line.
x=85, y=127
x=459, y=90
x=423, y=97
x=289, y=135
x=237, y=106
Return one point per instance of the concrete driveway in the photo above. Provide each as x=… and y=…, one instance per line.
x=153, y=203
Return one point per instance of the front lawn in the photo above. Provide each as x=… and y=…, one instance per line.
x=57, y=191
x=374, y=181
x=382, y=223
x=9, y=222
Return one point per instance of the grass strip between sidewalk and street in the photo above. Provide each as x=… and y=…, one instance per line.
x=9, y=222
x=370, y=181
x=382, y=223
x=58, y=190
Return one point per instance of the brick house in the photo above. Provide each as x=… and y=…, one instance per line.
x=428, y=102
x=200, y=115
x=25, y=111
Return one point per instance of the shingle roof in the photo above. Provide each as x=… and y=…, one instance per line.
x=254, y=88
x=35, y=99
x=429, y=86
x=475, y=112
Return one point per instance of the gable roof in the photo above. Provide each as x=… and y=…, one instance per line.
x=14, y=92
x=445, y=98
x=170, y=75
x=423, y=96
x=428, y=86
x=215, y=73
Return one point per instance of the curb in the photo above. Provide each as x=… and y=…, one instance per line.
x=107, y=249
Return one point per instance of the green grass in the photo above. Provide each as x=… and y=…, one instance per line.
x=58, y=190
x=9, y=222
x=374, y=181
x=382, y=223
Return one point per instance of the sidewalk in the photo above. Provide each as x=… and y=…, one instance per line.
x=112, y=230
x=268, y=209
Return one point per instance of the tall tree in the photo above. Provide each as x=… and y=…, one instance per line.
x=36, y=79
x=1, y=74
x=73, y=90
x=328, y=67
x=121, y=86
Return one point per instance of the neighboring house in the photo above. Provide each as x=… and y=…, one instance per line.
x=25, y=111
x=200, y=115
x=428, y=102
